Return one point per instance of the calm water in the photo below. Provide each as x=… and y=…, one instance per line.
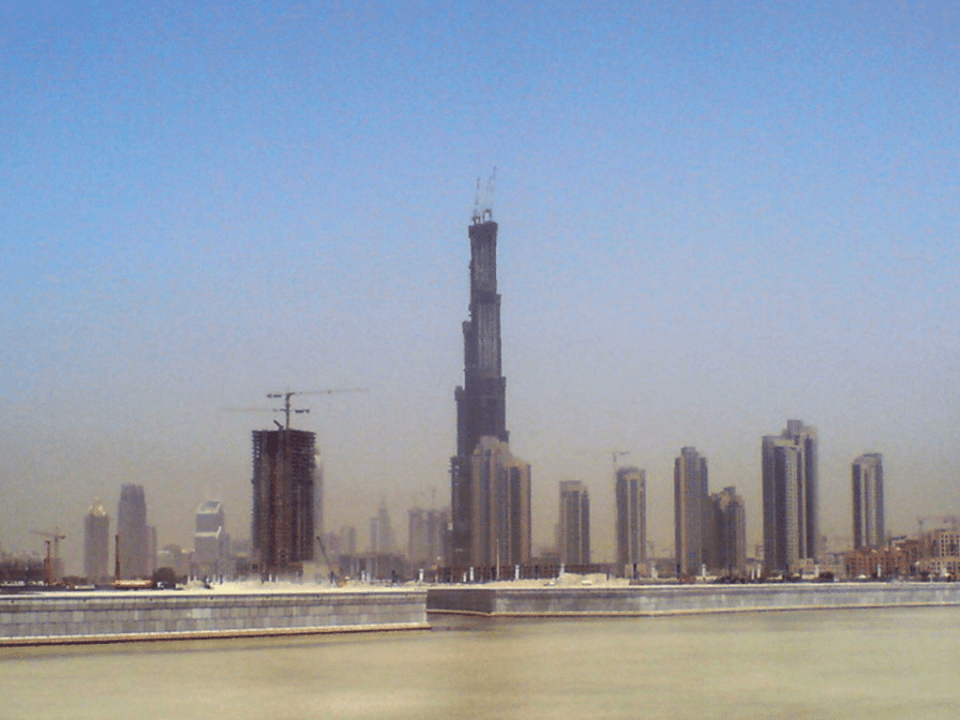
x=876, y=664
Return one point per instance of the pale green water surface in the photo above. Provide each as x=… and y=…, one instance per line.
x=877, y=664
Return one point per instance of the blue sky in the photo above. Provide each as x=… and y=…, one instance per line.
x=713, y=217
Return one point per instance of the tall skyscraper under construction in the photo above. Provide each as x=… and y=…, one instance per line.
x=790, y=504
x=867, y=485
x=481, y=486
x=481, y=401
x=284, y=463
x=631, y=518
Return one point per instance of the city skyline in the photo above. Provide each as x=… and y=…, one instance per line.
x=712, y=219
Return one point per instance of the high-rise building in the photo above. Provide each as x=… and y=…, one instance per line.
x=573, y=542
x=631, y=517
x=382, y=538
x=481, y=401
x=341, y=543
x=690, y=510
x=417, y=536
x=496, y=529
x=427, y=536
x=867, y=480
x=438, y=536
x=790, y=505
x=96, y=544
x=727, y=542
x=283, y=503
x=133, y=536
x=211, y=543
x=490, y=489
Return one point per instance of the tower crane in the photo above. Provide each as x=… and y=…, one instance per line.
x=287, y=395
x=483, y=205
x=287, y=409
x=614, y=454
x=285, y=514
x=54, y=536
x=51, y=565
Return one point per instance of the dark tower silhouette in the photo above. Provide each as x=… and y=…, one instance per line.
x=132, y=533
x=631, y=494
x=481, y=410
x=481, y=402
x=868, y=525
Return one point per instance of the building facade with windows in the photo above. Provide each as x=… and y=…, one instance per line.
x=790, y=498
x=631, y=493
x=691, y=506
x=868, y=515
x=573, y=542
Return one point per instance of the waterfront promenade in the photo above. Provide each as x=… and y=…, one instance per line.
x=573, y=600
x=255, y=610
x=224, y=611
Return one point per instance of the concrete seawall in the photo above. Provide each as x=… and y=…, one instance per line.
x=58, y=618
x=506, y=601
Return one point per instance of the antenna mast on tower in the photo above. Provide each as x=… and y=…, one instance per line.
x=483, y=204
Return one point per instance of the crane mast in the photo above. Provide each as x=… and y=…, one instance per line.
x=287, y=409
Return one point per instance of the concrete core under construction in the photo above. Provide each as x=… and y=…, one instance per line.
x=284, y=464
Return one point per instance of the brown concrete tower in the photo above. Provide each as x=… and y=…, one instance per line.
x=284, y=463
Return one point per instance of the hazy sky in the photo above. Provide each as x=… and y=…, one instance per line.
x=714, y=216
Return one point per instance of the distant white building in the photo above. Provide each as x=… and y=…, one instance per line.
x=211, y=543
x=382, y=538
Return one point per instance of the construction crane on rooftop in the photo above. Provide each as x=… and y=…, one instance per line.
x=286, y=409
x=283, y=483
x=51, y=564
x=614, y=454
x=483, y=205
x=55, y=536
